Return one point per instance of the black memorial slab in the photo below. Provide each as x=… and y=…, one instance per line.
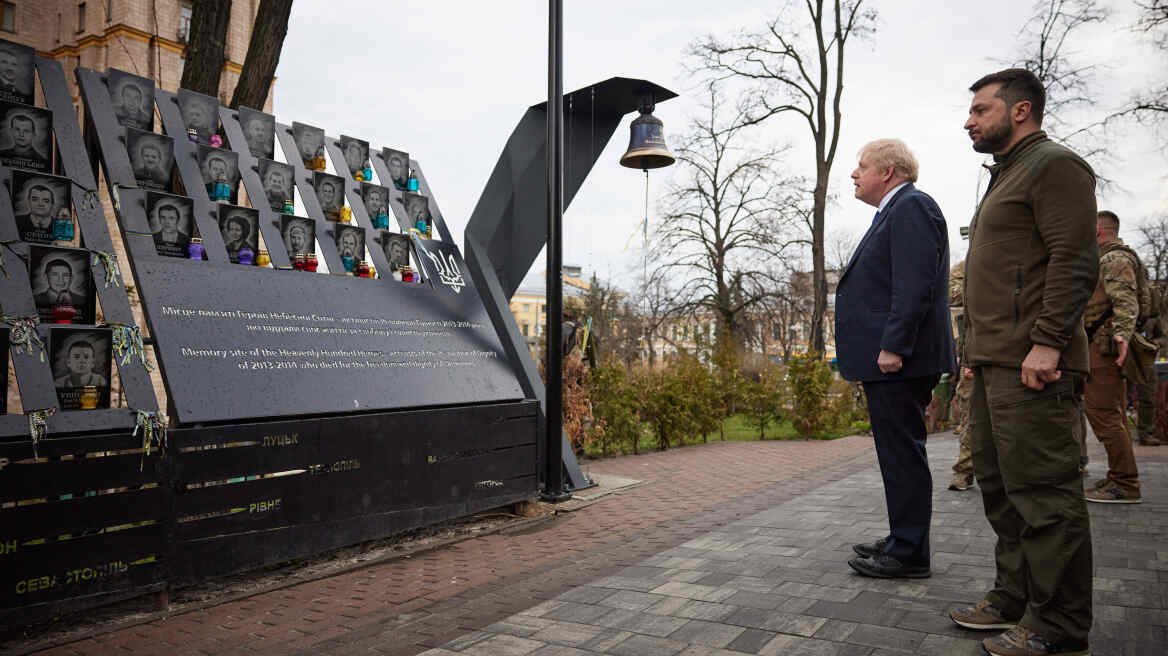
x=276, y=178
x=171, y=223
x=356, y=153
x=330, y=192
x=309, y=143
x=38, y=199
x=267, y=348
x=151, y=158
x=199, y=113
x=259, y=132
x=25, y=136
x=61, y=277
x=398, y=164
x=80, y=358
x=133, y=99
x=17, y=72
x=298, y=234
x=240, y=227
x=350, y=241
x=219, y=167
x=397, y=249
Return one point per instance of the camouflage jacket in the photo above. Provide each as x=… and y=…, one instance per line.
x=1117, y=289
x=957, y=287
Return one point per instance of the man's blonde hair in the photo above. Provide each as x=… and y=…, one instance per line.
x=883, y=153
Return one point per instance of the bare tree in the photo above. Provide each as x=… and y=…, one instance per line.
x=725, y=219
x=1153, y=245
x=788, y=74
x=206, y=45
x=1046, y=50
x=1151, y=105
x=263, y=53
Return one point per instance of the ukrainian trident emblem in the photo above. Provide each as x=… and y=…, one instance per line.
x=449, y=273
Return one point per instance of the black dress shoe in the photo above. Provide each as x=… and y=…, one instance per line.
x=887, y=567
x=870, y=549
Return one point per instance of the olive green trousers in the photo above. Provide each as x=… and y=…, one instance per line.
x=1026, y=445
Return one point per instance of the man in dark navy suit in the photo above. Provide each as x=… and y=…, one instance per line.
x=893, y=334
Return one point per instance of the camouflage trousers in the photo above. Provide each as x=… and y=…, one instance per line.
x=959, y=412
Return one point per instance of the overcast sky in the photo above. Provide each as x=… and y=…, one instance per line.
x=449, y=80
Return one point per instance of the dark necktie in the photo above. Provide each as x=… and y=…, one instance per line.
x=876, y=216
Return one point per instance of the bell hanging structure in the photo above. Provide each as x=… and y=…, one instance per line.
x=647, y=149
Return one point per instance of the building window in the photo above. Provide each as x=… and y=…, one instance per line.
x=184, y=23
x=7, y=17
x=81, y=17
x=109, y=10
x=543, y=308
x=526, y=330
x=527, y=307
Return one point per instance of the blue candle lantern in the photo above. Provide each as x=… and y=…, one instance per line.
x=368, y=173
x=63, y=226
x=289, y=207
x=381, y=221
x=412, y=183
x=349, y=261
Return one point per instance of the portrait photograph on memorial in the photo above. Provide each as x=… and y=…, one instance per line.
x=151, y=158
x=376, y=201
x=171, y=223
x=259, y=131
x=418, y=211
x=350, y=241
x=40, y=201
x=133, y=99
x=276, y=178
x=356, y=152
x=220, y=169
x=299, y=235
x=310, y=143
x=17, y=72
x=81, y=360
x=241, y=228
x=199, y=113
x=397, y=249
x=25, y=136
x=398, y=163
x=330, y=191
x=62, y=284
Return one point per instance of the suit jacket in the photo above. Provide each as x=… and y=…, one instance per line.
x=894, y=294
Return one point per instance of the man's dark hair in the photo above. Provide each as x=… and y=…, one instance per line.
x=58, y=262
x=22, y=117
x=168, y=206
x=1017, y=84
x=81, y=343
x=41, y=187
x=1110, y=219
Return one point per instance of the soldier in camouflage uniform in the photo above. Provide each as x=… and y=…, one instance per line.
x=1110, y=320
x=1153, y=329
x=963, y=468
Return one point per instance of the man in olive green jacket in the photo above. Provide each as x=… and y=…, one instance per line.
x=1031, y=266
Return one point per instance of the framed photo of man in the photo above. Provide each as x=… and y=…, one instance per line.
x=398, y=163
x=37, y=199
x=376, y=199
x=200, y=113
x=133, y=99
x=17, y=72
x=259, y=131
x=171, y=222
x=356, y=152
x=397, y=249
x=299, y=235
x=25, y=137
x=417, y=209
x=151, y=157
x=61, y=278
x=277, y=179
x=219, y=165
x=350, y=241
x=309, y=141
x=81, y=357
x=330, y=191
x=241, y=229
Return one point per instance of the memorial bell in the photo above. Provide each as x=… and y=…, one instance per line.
x=647, y=149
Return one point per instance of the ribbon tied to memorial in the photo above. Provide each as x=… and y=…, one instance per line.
x=112, y=271
x=23, y=334
x=38, y=426
x=127, y=341
x=153, y=429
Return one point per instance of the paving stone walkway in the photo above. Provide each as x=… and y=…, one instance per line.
x=726, y=549
x=776, y=582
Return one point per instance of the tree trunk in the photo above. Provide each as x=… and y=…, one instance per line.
x=263, y=54
x=206, y=42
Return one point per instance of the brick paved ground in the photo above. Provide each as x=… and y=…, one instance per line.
x=737, y=546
